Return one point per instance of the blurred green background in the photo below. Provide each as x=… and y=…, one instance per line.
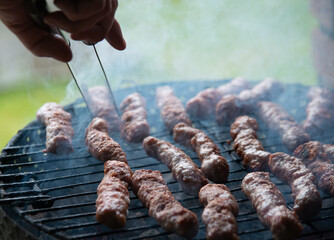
x=170, y=40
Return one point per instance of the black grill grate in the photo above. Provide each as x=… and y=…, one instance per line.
x=54, y=196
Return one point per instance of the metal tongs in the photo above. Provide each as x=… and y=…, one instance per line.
x=86, y=67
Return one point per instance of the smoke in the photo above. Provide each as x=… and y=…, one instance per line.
x=206, y=40
x=190, y=40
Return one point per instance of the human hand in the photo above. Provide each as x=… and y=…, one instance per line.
x=90, y=20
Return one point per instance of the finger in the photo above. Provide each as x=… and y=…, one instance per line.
x=43, y=44
x=52, y=46
x=115, y=37
x=78, y=10
x=95, y=34
x=38, y=41
x=59, y=19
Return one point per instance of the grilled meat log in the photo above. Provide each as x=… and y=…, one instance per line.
x=184, y=170
x=293, y=171
x=59, y=131
x=230, y=106
x=314, y=156
x=204, y=103
x=100, y=145
x=113, y=196
x=101, y=106
x=267, y=89
x=277, y=118
x=134, y=127
x=270, y=206
x=220, y=212
x=310, y=152
x=171, y=107
x=319, y=112
x=246, y=144
x=214, y=166
x=324, y=172
x=154, y=194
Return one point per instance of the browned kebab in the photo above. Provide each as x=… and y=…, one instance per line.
x=59, y=131
x=204, y=103
x=184, y=170
x=113, y=197
x=232, y=106
x=214, y=166
x=289, y=169
x=270, y=206
x=134, y=126
x=100, y=144
x=279, y=119
x=314, y=156
x=102, y=107
x=319, y=111
x=154, y=194
x=220, y=211
x=171, y=108
x=248, y=147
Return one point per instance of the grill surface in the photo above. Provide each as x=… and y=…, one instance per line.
x=53, y=196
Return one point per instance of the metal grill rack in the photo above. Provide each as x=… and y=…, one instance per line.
x=53, y=196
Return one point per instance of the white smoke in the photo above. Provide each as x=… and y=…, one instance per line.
x=199, y=40
x=178, y=40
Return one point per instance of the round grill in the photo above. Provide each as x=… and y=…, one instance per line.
x=53, y=196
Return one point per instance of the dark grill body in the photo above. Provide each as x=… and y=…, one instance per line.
x=53, y=196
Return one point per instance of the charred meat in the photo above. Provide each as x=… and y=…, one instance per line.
x=184, y=170
x=154, y=194
x=246, y=144
x=220, y=211
x=113, y=196
x=319, y=111
x=277, y=118
x=101, y=106
x=214, y=166
x=204, y=103
x=134, y=126
x=324, y=172
x=229, y=107
x=314, y=156
x=270, y=206
x=171, y=107
x=59, y=131
x=100, y=144
x=292, y=170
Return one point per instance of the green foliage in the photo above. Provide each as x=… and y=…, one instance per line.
x=18, y=106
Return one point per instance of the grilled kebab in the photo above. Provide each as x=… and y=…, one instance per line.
x=154, y=194
x=214, y=166
x=59, y=131
x=184, y=170
x=134, y=126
